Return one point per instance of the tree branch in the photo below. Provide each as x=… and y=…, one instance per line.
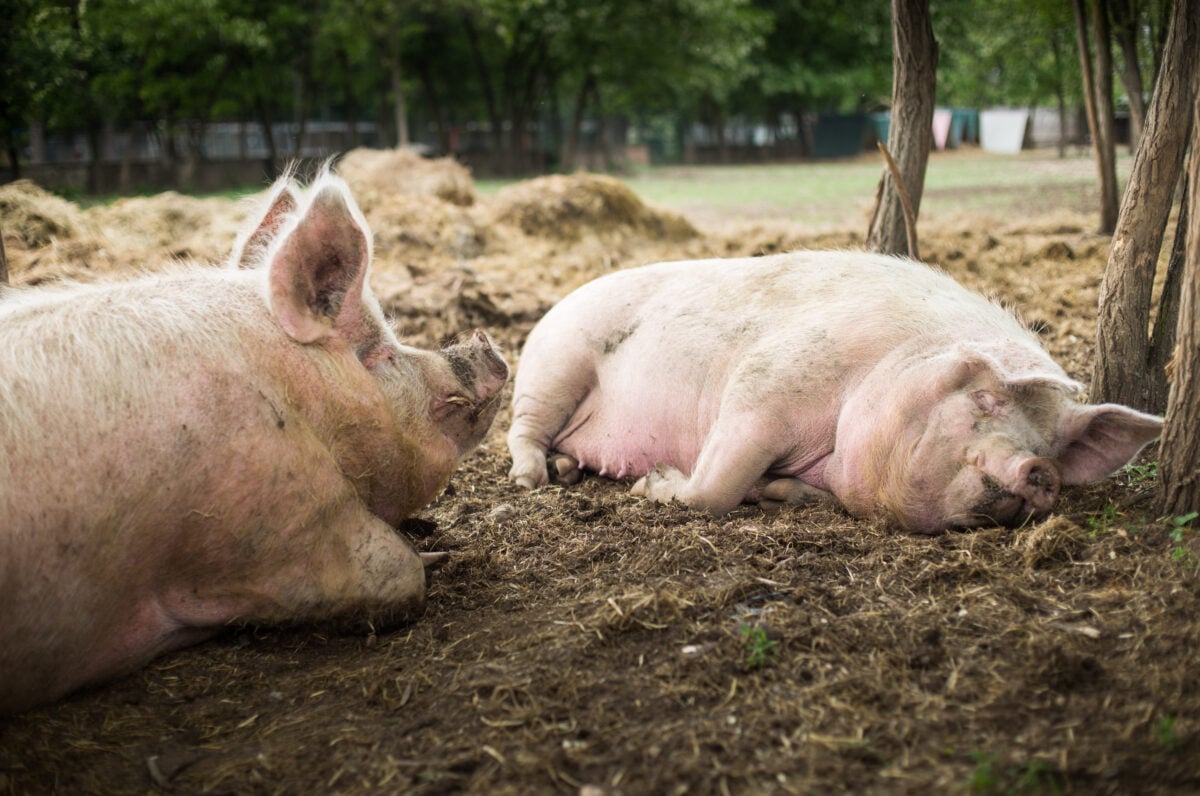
x=910, y=219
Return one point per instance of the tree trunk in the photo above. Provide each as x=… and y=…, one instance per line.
x=264, y=119
x=571, y=145
x=1179, y=456
x=399, y=102
x=1162, y=340
x=1125, y=27
x=436, y=106
x=14, y=156
x=1122, y=373
x=1097, y=91
x=485, y=84
x=93, y=169
x=1059, y=93
x=910, y=134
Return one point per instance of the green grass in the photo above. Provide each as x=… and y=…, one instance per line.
x=842, y=192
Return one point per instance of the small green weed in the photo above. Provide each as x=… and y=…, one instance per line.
x=1034, y=776
x=1165, y=734
x=983, y=778
x=1181, y=530
x=1104, y=520
x=1141, y=473
x=760, y=648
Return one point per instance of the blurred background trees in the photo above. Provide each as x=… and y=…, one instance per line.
x=525, y=80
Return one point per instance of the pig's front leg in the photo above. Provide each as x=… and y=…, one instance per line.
x=354, y=567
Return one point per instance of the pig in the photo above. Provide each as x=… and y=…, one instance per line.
x=204, y=446
x=875, y=381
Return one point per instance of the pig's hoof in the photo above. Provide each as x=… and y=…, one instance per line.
x=789, y=490
x=661, y=484
x=564, y=470
x=433, y=560
x=527, y=475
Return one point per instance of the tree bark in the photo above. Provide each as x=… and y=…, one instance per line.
x=270, y=166
x=435, y=105
x=571, y=145
x=3, y=262
x=14, y=156
x=910, y=134
x=1060, y=93
x=1097, y=92
x=1125, y=20
x=1162, y=339
x=485, y=83
x=399, y=102
x=1122, y=373
x=1179, y=456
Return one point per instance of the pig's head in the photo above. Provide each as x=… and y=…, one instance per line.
x=466, y=402
x=962, y=440
x=463, y=383
x=315, y=250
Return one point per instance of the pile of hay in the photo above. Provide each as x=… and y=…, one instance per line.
x=375, y=174
x=412, y=228
x=33, y=217
x=170, y=225
x=568, y=207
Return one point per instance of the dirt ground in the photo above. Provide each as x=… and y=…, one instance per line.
x=583, y=641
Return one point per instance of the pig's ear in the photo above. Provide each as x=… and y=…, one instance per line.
x=318, y=271
x=251, y=246
x=1097, y=440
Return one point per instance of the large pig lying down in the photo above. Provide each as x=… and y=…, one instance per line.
x=185, y=450
x=781, y=379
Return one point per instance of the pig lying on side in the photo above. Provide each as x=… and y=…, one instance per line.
x=190, y=449
x=784, y=378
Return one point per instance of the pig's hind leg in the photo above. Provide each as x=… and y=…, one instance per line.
x=736, y=455
x=788, y=491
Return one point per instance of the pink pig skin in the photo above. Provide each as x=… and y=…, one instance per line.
x=782, y=379
x=186, y=450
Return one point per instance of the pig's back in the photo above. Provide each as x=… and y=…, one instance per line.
x=739, y=304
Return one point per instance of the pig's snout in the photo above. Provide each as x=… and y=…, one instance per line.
x=1040, y=483
x=494, y=364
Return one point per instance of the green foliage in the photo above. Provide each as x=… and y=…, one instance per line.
x=760, y=648
x=1034, y=776
x=1165, y=733
x=1016, y=53
x=1181, y=531
x=77, y=65
x=1141, y=473
x=1104, y=520
x=826, y=55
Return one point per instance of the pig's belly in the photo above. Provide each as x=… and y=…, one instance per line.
x=627, y=436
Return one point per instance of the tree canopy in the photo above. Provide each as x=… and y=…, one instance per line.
x=502, y=65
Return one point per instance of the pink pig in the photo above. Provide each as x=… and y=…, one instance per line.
x=781, y=379
x=186, y=450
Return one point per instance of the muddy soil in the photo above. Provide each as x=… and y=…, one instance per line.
x=583, y=641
